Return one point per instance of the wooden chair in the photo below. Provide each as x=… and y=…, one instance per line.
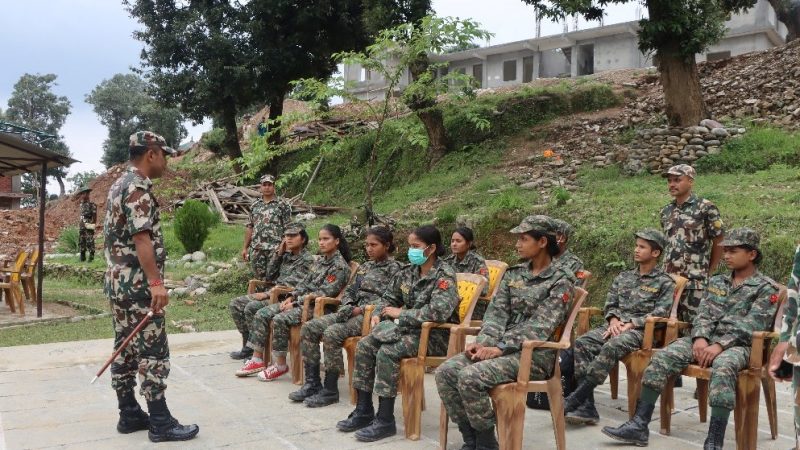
x=28, y=276
x=509, y=399
x=496, y=271
x=636, y=361
x=295, y=353
x=11, y=284
x=412, y=370
x=745, y=412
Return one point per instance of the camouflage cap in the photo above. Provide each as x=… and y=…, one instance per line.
x=141, y=139
x=268, y=179
x=82, y=189
x=540, y=223
x=681, y=169
x=654, y=236
x=294, y=228
x=741, y=237
x=562, y=227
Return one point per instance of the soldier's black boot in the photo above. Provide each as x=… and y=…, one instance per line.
x=131, y=416
x=469, y=435
x=246, y=352
x=716, y=434
x=634, y=431
x=383, y=426
x=586, y=414
x=164, y=427
x=486, y=440
x=83, y=256
x=329, y=393
x=578, y=396
x=311, y=386
x=362, y=416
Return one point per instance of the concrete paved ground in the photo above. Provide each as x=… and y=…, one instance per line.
x=46, y=402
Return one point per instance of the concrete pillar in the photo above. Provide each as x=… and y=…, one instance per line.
x=574, y=61
x=537, y=62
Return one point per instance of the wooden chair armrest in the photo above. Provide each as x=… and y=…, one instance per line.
x=423, y=340
x=584, y=316
x=307, y=299
x=253, y=284
x=366, y=325
x=526, y=356
x=466, y=331
x=760, y=338
x=322, y=302
x=650, y=329
x=673, y=326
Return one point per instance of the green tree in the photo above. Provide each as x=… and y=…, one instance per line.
x=124, y=106
x=81, y=179
x=789, y=13
x=676, y=31
x=34, y=105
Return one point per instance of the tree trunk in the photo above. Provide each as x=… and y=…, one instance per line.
x=433, y=120
x=60, y=185
x=231, y=141
x=275, y=112
x=683, y=97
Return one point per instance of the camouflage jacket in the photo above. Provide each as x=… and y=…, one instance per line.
x=634, y=297
x=790, y=318
x=429, y=298
x=527, y=306
x=267, y=221
x=327, y=278
x=690, y=229
x=729, y=315
x=88, y=213
x=289, y=269
x=130, y=208
x=472, y=263
x=369, y=284
x=570, y=262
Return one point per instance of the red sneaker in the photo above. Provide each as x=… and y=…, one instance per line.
x=250, y=367
x=272, y=373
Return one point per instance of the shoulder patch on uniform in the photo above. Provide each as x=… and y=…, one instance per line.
x=330, y=278
x=773, y=298
x=580, y=274
x=443, y=284
x=565, y=297
x=483, y=271
x=717, y=224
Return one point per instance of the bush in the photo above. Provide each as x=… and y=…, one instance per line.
x=213, y=140
x=68, y=240
x=759, y=149
x=232, y=281
x=192, y=223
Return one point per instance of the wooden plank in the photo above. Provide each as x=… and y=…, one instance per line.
x=213, y=196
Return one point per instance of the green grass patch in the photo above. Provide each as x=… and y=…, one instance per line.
x=758, y=149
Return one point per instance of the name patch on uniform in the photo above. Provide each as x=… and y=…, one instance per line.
x=404, y=288
x=649, y=289
x=516, y=284
x=717, y=291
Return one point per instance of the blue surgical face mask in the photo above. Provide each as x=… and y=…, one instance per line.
x=416, y=256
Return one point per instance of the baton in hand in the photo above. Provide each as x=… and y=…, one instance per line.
x=123, y=345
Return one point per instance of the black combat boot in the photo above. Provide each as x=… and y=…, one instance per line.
x=164, y=427
x=383, y=426
x=83, y=256
x=246, y=352
x=586, y=414
x=578, y=396
x=469, y=435
x=310, y=387
x=91, y=256
x=716, y=434
x=329, y=393
x=362, y=416
x=634, y=431
x=131, y=416
x=486, y=440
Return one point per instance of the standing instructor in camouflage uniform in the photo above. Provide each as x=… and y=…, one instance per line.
x=135, y=254
x=87, y=224
x=268, y=217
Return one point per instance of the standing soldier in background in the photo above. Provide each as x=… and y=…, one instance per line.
x=135, y=254
x=565, y=258
x=268, y=217
x=87, y=223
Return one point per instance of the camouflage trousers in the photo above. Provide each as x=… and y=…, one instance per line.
x=243, y=309
x=332, y=329
x=377, y=365
x=260, y=326
x=280, y=329
x=464, y=384
x=724, y=370
x=689, y=304
x=595, y=356
x=480, y=309
x=147, y=354
x=259, y=259
x=86, y=242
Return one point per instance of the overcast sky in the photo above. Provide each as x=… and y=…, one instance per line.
x=87, y=41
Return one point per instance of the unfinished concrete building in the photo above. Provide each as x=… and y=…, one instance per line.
x=577, y=53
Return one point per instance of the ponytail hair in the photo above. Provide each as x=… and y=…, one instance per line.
x=430, y=235
x=344, y=248
x=552, y=243
x=384, y=235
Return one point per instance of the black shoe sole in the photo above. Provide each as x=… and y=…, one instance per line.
x=159, y=438
x=320, y=405
x=352, y=429
x=121, y=430
x=574, y=420
x=626, y=441
x=375, y=438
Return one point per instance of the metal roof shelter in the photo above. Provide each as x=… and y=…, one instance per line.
x=18, y=156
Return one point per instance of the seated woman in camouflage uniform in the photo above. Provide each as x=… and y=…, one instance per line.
x=288, y=266
x=326, y=279
x=366, y=288
x=423, y=291
x=466, y=259
x=532, y=301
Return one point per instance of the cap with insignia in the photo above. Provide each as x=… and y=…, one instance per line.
x=742, y=237
x=540, y=223
x=268, y=178
x=654, y=236
x=562, y=227
x=140, y=140
x=294, y=228
x=680, y=170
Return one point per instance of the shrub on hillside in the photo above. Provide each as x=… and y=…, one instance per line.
x=232, y=281
x=759, y=149
x=68, y=240
x=192, y=223
x=214, y=140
